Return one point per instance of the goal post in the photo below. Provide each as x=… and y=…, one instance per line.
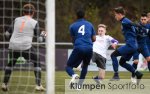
x=50, y=45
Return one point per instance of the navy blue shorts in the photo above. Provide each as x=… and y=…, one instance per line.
x=148, y=43
x=127, y=51
x=78, y=55
x=136, y=55
x=148, y=46
x=143, y=49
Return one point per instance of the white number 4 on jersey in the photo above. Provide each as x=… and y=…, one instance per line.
x=82, y=29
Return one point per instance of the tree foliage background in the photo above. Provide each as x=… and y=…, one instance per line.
x=97, y=11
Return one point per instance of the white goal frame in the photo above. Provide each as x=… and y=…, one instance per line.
x=50, y=46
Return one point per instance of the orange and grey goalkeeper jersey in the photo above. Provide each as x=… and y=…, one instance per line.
x=24, y=28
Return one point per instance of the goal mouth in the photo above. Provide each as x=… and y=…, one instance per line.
x=23, y=79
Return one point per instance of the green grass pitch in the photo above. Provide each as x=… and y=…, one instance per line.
x=23, y=82
x=62, y=75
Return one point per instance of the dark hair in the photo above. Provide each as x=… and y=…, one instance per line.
x=80, y=13
x=119, y=10
x=143, y=15
x=28, y=9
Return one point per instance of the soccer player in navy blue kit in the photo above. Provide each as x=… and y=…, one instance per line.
x=142, y=34
x=142, y=38
x=126, y=51
x=83, y=35
x=148, y=38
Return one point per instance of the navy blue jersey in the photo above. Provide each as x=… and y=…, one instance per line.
x=148, y=37
x=142, y=33
x=82, y=32
x=148, y=40
x=128, y=31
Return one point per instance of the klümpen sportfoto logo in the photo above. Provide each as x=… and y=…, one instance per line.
x=107, y=86
x=90, y=86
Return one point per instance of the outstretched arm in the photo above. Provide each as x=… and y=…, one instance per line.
x=113, y=42
x=40, y=35
x=9, y=31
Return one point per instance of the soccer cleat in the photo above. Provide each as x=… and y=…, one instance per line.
x=96, y=80
x=139, y=76
x=115, y=78
x=40, y=88
x=74, y=78
x=133, y=80
x=4, y=87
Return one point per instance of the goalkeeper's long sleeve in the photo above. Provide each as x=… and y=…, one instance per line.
x=9, y=31
x=40, y=36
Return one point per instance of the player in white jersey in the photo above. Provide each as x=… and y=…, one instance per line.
x=100, y=48
x=22, y=32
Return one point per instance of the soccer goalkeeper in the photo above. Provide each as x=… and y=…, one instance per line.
x=22, y=32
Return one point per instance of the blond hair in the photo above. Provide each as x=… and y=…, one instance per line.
x=102, y=25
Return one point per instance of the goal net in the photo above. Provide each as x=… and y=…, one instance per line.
x=22, y=80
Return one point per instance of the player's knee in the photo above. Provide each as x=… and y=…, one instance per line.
x=37, y=69
x=8, y=68
x=122, y=61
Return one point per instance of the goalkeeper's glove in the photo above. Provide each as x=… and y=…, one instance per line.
x=42, y=36
x=7, y=35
